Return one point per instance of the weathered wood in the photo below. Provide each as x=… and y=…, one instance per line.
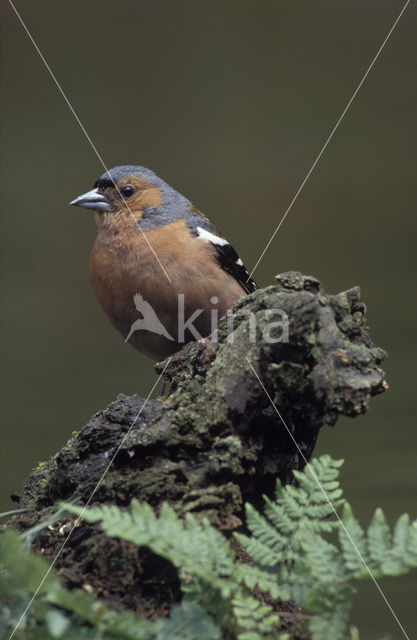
x=216, y=441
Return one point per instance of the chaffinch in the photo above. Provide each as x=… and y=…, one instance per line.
x=161, y=271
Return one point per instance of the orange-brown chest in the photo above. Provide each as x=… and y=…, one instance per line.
x=149, y=262
x=161, y=265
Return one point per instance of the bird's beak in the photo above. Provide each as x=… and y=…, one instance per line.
x=92, y=200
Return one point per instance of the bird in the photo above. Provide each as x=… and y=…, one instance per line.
x=157, y=255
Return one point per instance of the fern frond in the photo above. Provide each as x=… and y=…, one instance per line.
x=201, y=554
x=254, y=620
x=266, y=581
x=403, y=554
x=317, y=496
x=123, y=625
x=288, y=540
x=291, y=558
x=19, y=578
x=352, y=540
x=379, y=537
x=261, y=553
x=269, y=541
x=332, y=624
x=324, y=562
x=187, y=621
x=192, y=546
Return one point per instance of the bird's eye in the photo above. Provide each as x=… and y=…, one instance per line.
x=127, y=191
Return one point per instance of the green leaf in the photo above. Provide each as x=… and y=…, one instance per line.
x=13, y=512
x=331, y=624
x=188, y=621
x=353, y=543
x=266, y=581
x=254, y=620
x=21, y=573
x=379, y=537
x=290, y=557
x=56, y=623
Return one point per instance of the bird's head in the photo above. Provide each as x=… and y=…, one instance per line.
x=135, y=194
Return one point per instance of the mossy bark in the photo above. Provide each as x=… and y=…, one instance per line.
x=217, y=441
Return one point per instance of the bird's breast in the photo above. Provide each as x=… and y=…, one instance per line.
x=161, y=266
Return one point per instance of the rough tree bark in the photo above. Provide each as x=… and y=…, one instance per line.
x=216, y=441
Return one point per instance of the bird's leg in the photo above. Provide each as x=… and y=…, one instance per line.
x=163, y=386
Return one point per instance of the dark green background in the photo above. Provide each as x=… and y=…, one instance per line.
x=230, y=102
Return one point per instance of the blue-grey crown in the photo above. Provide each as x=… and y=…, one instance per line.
x=174, y=205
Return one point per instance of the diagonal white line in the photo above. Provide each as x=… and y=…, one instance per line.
x=88, y=502
x=310, y=468
x=85, y=133
x=328, y=139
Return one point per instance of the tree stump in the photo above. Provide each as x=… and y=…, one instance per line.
x=223, y=435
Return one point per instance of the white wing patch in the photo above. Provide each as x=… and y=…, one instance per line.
x=210, y=237
x=225, y=254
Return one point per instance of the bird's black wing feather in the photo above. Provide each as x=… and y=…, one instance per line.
x=201, y=227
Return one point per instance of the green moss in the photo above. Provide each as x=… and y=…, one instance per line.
x=40, y=465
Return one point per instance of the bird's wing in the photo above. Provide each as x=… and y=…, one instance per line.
x=201, y=227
